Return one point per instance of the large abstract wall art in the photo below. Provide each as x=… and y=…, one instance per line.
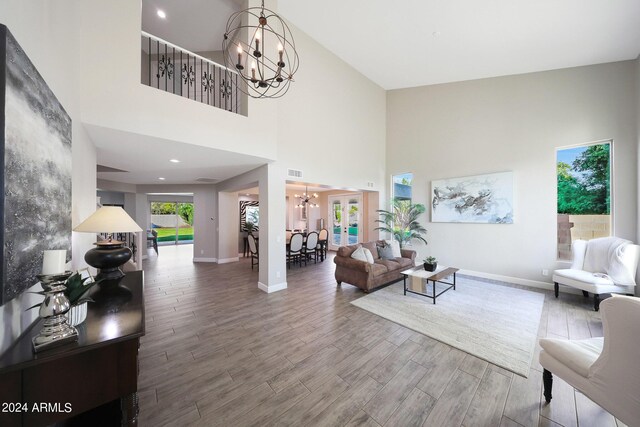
x=486, y=199
x=35, y=145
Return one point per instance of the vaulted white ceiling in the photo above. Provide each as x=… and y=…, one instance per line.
x=411, y=43
x=196, y=25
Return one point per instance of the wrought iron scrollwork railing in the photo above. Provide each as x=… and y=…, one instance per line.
x=168, y=67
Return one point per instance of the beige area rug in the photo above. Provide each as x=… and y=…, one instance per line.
x=496, y=323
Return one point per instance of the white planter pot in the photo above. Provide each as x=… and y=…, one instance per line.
x=77, y=314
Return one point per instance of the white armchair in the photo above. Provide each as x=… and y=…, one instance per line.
x=600, y=266
x=603, y=369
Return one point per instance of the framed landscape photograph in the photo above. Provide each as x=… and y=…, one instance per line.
x=484, y=199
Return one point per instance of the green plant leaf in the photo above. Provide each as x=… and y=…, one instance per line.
x=401, y=221
x=34, y=306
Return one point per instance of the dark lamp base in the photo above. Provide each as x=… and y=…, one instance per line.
x=108, y=258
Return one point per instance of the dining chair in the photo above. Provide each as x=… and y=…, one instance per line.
x=323, y=242
x=310, y=247
x=295, y=249
x=253, y=250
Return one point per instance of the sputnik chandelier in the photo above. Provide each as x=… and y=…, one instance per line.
x=259, y=46
x=306, y=199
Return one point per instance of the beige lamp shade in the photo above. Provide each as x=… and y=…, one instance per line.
x=109, y=219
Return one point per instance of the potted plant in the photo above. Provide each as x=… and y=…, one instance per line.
x=430, y=263
x=402, y=221
x=77, y=288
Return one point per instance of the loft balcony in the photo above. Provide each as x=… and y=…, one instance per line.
x=176, y=70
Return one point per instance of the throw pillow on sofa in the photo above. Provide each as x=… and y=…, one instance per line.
x=385, y=252
x=395, y=245
x=369, y=255
x=361, y=255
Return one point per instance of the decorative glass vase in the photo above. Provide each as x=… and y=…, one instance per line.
x=77, y=314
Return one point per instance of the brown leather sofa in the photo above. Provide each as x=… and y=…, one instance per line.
x=370, y=276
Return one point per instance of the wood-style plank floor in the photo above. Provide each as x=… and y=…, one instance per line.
x=218, y=351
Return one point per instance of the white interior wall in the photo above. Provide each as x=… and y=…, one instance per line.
x=111, y=73
x=228, y=226
x=637, y=92
x=42, y=28
x=514, y=124
x=111, y=198
x=331, y=123
x=143, y=211
x=205, y=245
x=130, y=205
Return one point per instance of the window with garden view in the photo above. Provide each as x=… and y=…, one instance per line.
x=173, y=221
x=402, y=187
x=584, y=194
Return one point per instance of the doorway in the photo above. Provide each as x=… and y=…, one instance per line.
x=173, y=221
x=345, y=212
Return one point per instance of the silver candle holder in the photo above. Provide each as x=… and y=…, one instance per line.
x=55, y=330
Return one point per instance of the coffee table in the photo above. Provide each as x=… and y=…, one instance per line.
x=420, y=278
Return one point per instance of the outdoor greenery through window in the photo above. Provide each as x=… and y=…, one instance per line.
x=584, y=194
x=402, y=187
x=173, y=221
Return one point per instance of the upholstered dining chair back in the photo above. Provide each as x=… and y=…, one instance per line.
x=323, y=235
x=312, y=241
x=252, y=244
x=296, y=242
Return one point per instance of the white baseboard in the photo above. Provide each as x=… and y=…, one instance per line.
x=195, y=259
x=228, y=260
x=519, y=281
x=272, y=288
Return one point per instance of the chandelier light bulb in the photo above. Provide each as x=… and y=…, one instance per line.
x=239, y=64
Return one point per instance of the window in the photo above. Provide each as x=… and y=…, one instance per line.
x=402, y=187
x=584, y=194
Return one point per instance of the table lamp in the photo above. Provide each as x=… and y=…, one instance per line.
x=109, y=254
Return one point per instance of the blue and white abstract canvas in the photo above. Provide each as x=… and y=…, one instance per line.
x=485, y=199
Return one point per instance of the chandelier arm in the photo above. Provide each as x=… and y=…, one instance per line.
x=246, y=49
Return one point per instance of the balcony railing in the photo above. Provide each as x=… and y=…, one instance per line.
x=173, y=69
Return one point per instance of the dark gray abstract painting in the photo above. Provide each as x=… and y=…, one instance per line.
x=36, y=170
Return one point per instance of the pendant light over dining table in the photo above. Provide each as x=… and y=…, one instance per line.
x=259, y=46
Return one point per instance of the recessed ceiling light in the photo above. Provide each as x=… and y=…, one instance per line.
x=161, y=178
x=436, y=34
x=161, y=14
x=174, y=161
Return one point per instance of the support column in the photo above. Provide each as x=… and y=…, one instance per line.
x=228, y=226
x=272, y=248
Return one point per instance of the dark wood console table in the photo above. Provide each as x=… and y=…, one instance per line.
x=64, y=382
